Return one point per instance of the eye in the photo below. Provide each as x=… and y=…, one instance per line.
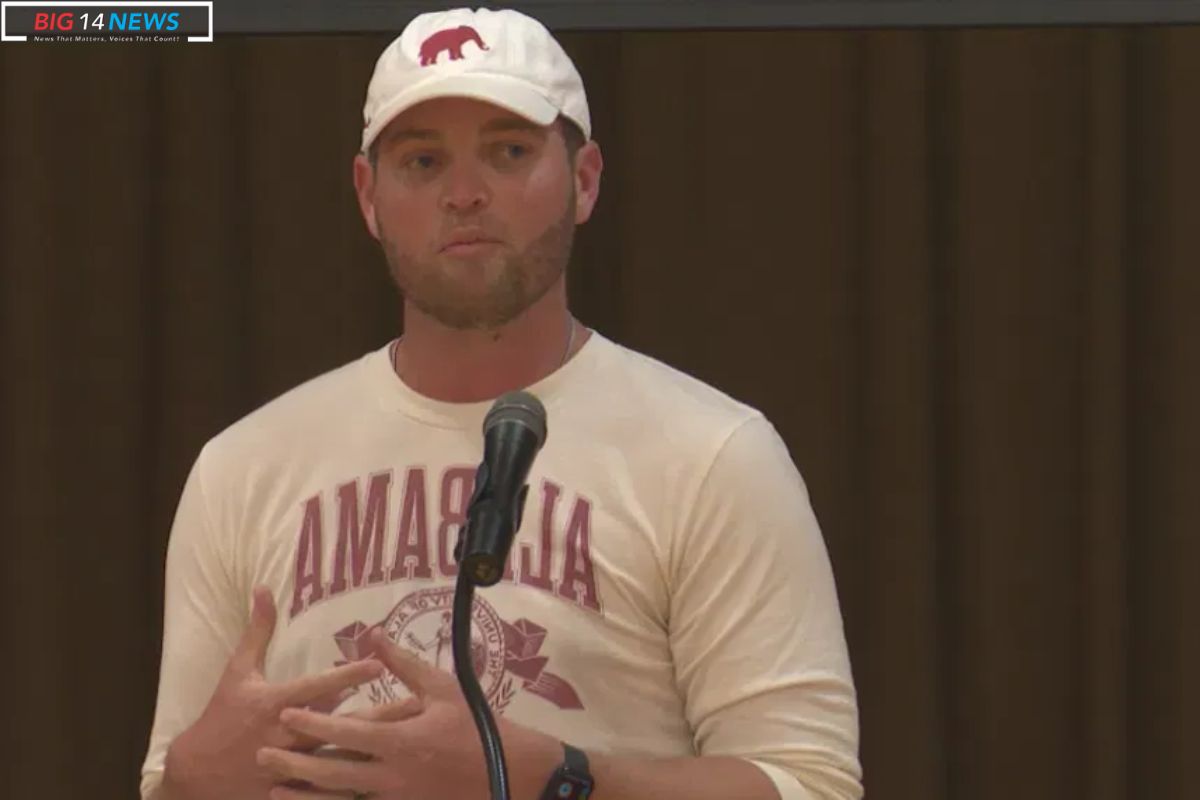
x=420, y=162
x=512, y=151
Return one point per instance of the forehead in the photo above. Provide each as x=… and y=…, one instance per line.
x=448, y=116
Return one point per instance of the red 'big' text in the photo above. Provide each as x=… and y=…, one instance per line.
x=63, y=21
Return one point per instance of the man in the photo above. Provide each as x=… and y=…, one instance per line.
x=668, y=625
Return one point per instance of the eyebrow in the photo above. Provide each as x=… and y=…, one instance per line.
x=499, y=125
x=512, y=124
x=406, y=134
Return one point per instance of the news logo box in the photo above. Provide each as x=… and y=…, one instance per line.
x=25, y=21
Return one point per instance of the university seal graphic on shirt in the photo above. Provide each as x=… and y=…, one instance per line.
x=505, y=655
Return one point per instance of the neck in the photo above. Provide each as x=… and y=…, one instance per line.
x=470, y=366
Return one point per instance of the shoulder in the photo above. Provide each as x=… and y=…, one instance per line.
x=300, y=419
x=666, y=405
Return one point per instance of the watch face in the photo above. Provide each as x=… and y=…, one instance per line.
x=571, y=780
x=571, y=787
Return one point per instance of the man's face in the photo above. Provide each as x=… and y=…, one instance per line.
x=475, y=208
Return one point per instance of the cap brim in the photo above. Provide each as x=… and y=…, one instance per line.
x=506, y=92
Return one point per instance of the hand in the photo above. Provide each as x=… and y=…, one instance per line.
x=436, y=752
x=215, y=757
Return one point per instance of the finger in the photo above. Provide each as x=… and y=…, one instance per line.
x=419, y=677
x=251, y=651
x=327, y=703
x=287, y=739
x=297, y=743
x=328, y=773
x=391, y=712
x=312, y=688
x=288, y=793
x=388, y=712
x=363, y=736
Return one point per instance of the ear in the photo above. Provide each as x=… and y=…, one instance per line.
x=589, y=163
x=364, y=189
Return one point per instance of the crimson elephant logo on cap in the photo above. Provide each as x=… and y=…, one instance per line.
x=506, y=655
x=449, y=41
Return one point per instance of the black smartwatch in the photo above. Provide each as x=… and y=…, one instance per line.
x=572, y=780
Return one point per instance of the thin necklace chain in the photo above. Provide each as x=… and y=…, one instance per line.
x=565, y=357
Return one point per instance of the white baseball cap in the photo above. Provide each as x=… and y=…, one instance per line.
x=500, y=56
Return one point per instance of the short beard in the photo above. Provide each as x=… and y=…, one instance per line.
x=524, y=278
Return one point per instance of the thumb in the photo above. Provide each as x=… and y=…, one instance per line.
x=251, y=652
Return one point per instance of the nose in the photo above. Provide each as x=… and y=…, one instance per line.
x=465, y=188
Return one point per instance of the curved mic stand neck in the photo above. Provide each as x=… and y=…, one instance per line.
x=464, y=669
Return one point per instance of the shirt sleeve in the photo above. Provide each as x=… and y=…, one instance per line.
x=203, y=617
x=755, y=625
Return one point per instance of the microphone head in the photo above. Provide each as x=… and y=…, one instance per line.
x=519, y=407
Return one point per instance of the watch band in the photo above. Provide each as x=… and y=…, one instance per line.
x=575, y=760
x=572, y=780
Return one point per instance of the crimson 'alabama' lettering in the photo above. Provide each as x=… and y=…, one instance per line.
x=358, y=538
x=457, y=485
x=578, y=580
x=539, y=576
x=307, y=584
x=412, y=545
x=558, y=563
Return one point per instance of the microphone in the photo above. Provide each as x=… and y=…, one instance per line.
x=514, y=430
x=513, y=433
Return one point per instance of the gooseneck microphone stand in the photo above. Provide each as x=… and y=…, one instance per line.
x=464, y=668
x=480, y=563
x=513, y=431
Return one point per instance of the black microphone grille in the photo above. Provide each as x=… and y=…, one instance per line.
x=519, y=407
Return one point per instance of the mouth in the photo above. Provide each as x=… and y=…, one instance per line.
x=470, y=245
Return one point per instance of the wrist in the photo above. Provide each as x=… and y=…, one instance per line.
x=532, y=757
x=172, y=786
x=177, y=781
